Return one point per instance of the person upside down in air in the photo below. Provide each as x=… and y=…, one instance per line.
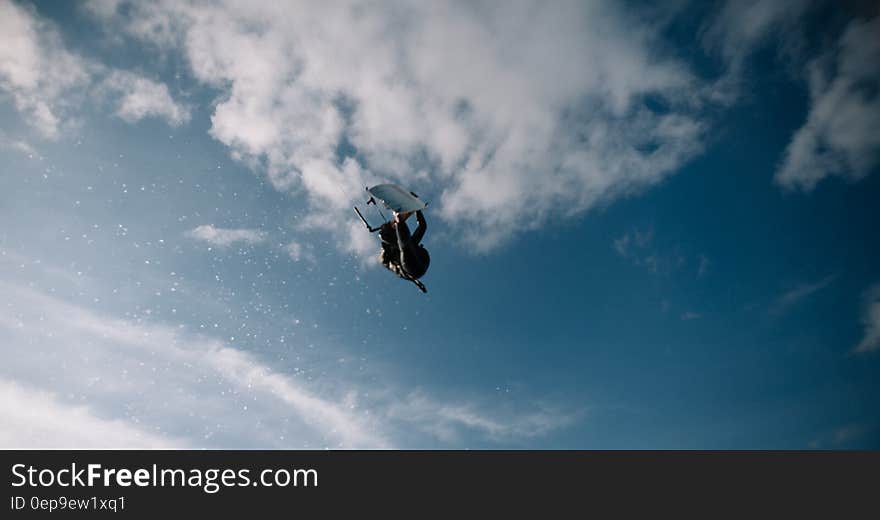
x=402, y=252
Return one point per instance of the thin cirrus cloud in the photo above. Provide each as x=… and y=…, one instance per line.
x=19, y=145
x=145, y=384
x=47, y=83
x=225, y=237
x=40, y=420
x=740, y=27
x=448, y=421
x=800, y=293
x=199, y=388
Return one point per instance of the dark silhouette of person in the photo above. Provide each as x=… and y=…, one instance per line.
x=402, y=253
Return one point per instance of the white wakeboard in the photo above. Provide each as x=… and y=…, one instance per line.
x=396, y=198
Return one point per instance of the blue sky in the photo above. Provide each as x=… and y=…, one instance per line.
x=649, y=227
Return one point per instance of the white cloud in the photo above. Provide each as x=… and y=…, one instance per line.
x=848, y=433
x=527, y=112
x=48, y=84
x=134, y=383
x=447, y=421
x=740, y=28
x=637, y=247
x=299, y=252
x=633, y=242
x=140, y=97
x=844, y=436
x=295, y=250
x=621, y=245
x=157, y=379
x=690, y=316
x=841, y=135
x=19, y=145
x=35, y=68
x=39, y=420
x=703, y=266
x=871, y=321
x=223, y=237
x=801, y=292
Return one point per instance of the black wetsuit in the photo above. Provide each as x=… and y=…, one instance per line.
x=402, y=251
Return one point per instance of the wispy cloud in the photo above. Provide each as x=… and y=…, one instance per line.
x=224, y=237
x=36, y=419
x=19, y=145
x=300, y=253
x=871, y=320
x=841, y=135
x=690, y=316
x=799, y=293
x=638, y=247
x=144, y=384
x=449, y=421
x=740, y=28
x=140, y=97
x=703, y=266
x=48, y=83
x=850, y=435
x=35, y=68
x=199, y=389
x=632, y=243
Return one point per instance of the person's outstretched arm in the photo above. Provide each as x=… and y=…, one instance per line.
x=420, y=231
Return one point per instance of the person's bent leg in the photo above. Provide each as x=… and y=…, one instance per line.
x=409, y=257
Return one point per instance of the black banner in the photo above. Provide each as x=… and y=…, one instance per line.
x=419, y=483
